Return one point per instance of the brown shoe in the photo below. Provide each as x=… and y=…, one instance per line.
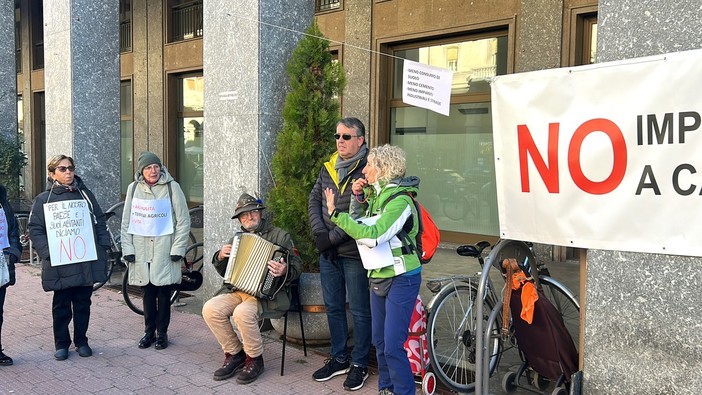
x=232, y=364
x=253, y=368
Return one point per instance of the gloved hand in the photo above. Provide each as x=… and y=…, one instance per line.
x=129, y=258
x=176, y=258
x=321, y=240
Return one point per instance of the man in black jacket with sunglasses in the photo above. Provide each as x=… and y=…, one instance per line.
x=340, y=265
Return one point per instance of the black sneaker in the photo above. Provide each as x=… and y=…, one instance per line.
x=231, y=366
x=331, y=368
x=357, y=376
x=4, y=359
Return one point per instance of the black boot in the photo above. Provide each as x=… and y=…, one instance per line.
x=232, y=364
x=4, y=359
x=253, y=368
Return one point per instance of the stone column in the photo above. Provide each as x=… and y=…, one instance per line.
x=642, y=310
x=81, y=78
x=8, y=71
x=357, y=61
x=540, y=26
x=8, y=89
x=246, y=48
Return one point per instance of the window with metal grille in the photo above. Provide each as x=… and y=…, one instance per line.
x=186, y=20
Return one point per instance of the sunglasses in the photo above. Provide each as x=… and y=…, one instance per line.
x=346, y=137
x=63, y=169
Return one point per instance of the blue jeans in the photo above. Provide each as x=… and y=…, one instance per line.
x=341, y=277
x=391, y=318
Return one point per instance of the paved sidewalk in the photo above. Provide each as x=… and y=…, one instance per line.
x=186, y=366
x=118, y=366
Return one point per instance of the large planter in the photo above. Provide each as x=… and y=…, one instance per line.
x=314, y=316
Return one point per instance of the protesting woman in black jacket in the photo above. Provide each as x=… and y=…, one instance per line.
x=73, y=260
x=11, y=250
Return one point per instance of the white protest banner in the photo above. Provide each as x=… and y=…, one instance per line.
x=69, y=231
x=426, y=86
x=4, y=240
x=150, y=217
x=604, y=156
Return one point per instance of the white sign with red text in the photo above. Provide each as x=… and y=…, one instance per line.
x=605, y=156
x=69, y=232
x=150, y=217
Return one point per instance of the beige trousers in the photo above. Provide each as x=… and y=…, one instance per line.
x=244, y=309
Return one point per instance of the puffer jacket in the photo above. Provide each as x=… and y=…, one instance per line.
x=281, y=302
x=153, y=254
x=317, y=205
x=394, y=214
x=82, y=274
x=14, y=250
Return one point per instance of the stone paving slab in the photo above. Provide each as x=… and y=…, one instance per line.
x=118, y=366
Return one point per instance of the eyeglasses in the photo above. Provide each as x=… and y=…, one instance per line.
x=63, y=169
x=346, y=137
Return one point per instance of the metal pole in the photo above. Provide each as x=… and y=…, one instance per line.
x=481, y=370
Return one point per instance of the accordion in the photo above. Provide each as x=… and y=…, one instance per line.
x=247, y=269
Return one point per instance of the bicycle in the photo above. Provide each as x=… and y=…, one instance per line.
x=113, y=218
x=452, y=321
x=28, y=253
x=132, y=294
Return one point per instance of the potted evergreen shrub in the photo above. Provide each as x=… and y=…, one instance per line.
x=310, y=113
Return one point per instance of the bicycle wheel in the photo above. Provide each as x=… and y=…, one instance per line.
x=111, y=261
x=197, y=223
x=133, y=294
x=452, y=337
x=194, y=256
x=566, y=303
x=27, y=252
x=113, y=219
x=506, y=249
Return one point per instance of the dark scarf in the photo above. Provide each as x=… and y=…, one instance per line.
x=72, y=187
x=342, y=166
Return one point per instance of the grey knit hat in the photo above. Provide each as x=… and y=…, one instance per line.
x=247, y=203
x=147, y=158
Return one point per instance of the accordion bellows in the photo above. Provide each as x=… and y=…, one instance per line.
x=247, y=269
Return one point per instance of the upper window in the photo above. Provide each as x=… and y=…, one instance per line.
x=326, y=5
x=588, y=39
x=185, y=20
x=37, y=14
x=457, y=149
x=125, y=25
x=580, y=36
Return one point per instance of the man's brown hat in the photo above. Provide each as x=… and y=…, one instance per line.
x=247, y=203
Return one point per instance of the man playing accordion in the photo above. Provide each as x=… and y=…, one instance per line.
x=244, y=356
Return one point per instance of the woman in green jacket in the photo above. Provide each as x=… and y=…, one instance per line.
x=394, y=280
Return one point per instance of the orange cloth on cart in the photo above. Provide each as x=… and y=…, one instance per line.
x=529, y=295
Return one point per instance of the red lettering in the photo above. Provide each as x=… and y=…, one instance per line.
x=527, y=147
x=68, y=251
x=618, y=148
x=79, y=242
